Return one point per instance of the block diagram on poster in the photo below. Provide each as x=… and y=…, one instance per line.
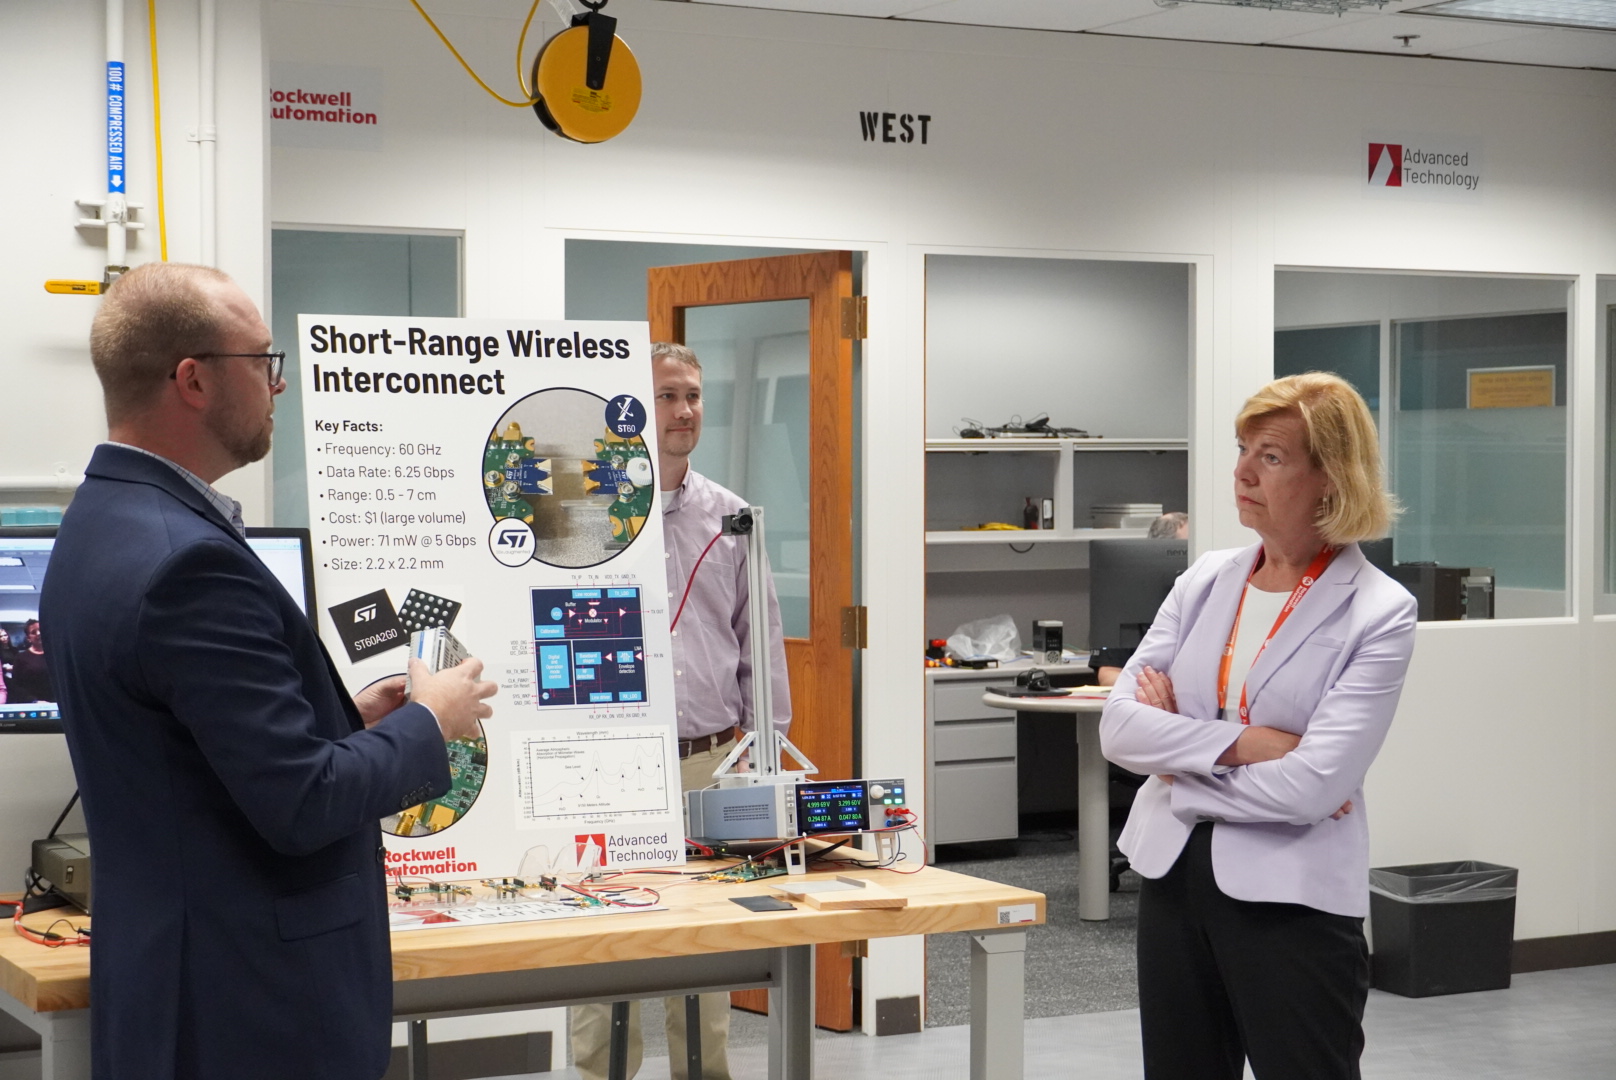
x=589, y=645
x=570, y=777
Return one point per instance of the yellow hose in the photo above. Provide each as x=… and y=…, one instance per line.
x=450, y=45
x=157, y=129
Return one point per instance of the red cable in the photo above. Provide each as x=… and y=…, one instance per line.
x=675, y=624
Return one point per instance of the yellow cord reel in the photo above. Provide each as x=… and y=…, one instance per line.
x=587, y=80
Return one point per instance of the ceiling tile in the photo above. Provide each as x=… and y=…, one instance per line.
x=875, y=9
x=1035, y=14
x=1378, y=33
x=1220, y=22
x=1555, y=48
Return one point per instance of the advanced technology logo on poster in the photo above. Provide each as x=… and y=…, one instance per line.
x=1423, y=167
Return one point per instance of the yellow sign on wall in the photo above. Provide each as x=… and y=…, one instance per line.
x=1511, y=388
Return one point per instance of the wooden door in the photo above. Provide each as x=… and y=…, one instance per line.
x=691, y=305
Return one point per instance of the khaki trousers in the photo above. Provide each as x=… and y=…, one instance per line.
x=592, y=1024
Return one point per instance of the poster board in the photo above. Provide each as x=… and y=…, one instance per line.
x=497, y=477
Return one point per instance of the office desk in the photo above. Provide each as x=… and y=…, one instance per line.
x=1093, y=803
x=701, y=942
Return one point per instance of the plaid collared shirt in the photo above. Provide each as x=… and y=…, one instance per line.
x=228, y=508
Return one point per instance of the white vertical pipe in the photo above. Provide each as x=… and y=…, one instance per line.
x=207, y=133
x=117, y=208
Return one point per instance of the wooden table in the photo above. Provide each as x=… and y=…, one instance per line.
x=1093, y=801
x=701, y=943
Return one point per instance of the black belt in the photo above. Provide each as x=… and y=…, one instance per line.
x=703, y=743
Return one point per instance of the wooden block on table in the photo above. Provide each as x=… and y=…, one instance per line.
x=842, y=894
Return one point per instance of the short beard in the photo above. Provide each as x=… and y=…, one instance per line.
x=244, y=448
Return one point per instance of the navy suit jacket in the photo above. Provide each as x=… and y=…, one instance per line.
x=231, y=791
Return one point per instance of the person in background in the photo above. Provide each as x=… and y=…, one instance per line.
x=712, y=686
x=1174, y=525
x=30, y=677
x=231, y=786
x=1108, y=662
x=1256, y=703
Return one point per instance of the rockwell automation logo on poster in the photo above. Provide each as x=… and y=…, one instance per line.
x=1423, y=167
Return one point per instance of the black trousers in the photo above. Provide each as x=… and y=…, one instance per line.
x=1224, y=980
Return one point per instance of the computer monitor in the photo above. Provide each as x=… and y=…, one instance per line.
x=1128, y=580
x=289, y=554
x=29, y=706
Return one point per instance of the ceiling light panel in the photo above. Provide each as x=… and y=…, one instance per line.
x=1582, y=14
x=1314, y=7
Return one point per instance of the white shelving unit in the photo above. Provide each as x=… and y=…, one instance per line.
x=1066, y=530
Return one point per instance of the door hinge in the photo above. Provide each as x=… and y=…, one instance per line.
x=856, y=627
x=855, y=317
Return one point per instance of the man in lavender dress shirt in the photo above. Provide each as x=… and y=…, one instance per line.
x=712, y=674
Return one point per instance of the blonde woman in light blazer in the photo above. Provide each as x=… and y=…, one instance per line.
x=1256, y=704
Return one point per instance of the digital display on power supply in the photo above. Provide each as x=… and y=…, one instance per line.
x=832, y=808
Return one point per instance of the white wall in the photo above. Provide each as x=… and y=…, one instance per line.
x=52, y=71
x=1098, y=345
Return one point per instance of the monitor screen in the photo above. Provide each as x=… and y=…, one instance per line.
x=289, y=554
x=1128, y=580
x=27, y=702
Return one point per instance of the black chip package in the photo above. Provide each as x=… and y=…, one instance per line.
x=423, y=610
x=368, y=625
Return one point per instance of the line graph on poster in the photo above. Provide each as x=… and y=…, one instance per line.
x=567, y=777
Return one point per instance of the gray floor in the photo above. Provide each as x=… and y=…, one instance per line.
x=1553, y=1025
x=1044, y=860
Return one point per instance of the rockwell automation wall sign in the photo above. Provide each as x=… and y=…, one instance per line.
x=497, y=478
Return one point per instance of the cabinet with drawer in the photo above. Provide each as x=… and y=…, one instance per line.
x=972, y=764
x=970, y=760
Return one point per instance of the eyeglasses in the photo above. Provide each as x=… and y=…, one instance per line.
x=277, y=362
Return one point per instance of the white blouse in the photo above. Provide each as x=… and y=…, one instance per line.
x=1257, y=617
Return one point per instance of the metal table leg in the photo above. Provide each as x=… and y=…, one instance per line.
x=1093, y=823
x=65, y=1045
x=417, y=1050
x=791, y=1016
x=693, y=1037
x=617, y=1052
x=998, y=987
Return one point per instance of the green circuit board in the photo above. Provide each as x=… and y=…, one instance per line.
x=622, y=466
x=513, y=474
x=468, y=768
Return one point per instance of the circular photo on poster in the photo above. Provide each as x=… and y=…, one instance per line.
x=468, y=768
x=573, y=467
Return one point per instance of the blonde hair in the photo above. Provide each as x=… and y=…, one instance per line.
x=681, y=353
x=152, y=318
x=1341, y=440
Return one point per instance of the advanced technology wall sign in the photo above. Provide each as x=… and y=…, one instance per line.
x=1422, y=167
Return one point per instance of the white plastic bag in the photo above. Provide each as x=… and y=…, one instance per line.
x=994, y=636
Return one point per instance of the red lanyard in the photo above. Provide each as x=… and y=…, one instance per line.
x=1315, y=568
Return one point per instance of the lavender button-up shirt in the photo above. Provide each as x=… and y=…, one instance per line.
x=712, y=659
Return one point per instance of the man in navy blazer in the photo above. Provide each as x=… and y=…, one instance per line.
x=232, y=788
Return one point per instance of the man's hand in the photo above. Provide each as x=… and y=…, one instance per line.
x=1156, y=690
x=380, y=698
x=455, y=696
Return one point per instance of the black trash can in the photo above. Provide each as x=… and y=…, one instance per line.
x=1442, y=928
